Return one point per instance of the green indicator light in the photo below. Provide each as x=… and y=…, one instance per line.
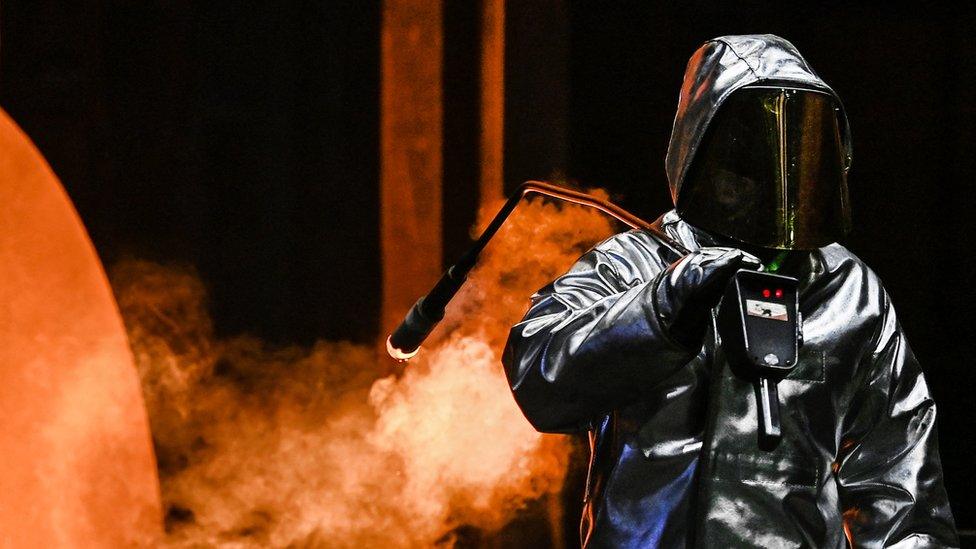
x=774, y=265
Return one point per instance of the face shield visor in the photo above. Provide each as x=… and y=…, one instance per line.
x=770, y=171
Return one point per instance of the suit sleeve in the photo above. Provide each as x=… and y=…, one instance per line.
x=890, y=475
x=589, y=343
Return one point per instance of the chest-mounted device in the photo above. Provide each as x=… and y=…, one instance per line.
x=759, y=323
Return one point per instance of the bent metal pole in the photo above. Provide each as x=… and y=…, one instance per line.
x=405, y=341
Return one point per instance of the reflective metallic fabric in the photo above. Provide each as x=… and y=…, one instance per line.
x=722, y=66
x=770, y=170
x=676, y=461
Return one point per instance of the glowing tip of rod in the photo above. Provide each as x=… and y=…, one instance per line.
x=397, y=354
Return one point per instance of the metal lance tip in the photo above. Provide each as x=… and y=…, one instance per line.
x=397, y=354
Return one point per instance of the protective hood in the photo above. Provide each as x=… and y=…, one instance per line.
x=723, y=65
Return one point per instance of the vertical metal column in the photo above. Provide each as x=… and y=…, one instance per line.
x=492, y=186
x=410, y=148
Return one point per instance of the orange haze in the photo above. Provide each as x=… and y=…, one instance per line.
x=260, y=446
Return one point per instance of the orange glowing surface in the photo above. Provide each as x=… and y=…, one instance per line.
x=76, y=461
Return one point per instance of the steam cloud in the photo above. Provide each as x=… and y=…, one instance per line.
x=312, y=447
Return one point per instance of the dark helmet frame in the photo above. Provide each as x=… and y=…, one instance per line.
x=770, y=170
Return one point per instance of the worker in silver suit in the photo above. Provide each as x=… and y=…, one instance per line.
x=624, y=344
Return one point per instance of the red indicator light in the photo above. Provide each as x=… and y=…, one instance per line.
x=765, y=292
x=779, y=292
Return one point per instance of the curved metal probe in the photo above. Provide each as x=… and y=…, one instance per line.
x=405, y=341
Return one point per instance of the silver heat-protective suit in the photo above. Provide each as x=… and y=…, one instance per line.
x=675, y=460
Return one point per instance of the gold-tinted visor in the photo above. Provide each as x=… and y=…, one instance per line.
x=770, y=171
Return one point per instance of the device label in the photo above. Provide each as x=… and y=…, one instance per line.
x=765, y=309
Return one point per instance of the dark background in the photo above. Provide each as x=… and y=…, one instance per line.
x=244, y=141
